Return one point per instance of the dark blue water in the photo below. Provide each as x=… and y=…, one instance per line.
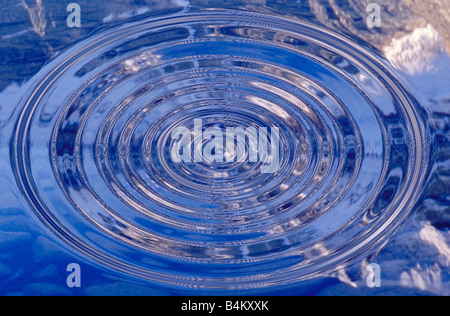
x=88, y=176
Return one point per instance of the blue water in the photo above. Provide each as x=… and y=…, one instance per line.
x=87, y=118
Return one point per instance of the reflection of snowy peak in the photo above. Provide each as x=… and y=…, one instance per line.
x=416, y=53
x=422, y=56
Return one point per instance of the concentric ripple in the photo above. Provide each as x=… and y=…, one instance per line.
x=92, y=150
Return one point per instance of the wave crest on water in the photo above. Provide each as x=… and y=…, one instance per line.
x=92, y=150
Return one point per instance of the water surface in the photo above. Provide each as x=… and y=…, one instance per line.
x=87, y=117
